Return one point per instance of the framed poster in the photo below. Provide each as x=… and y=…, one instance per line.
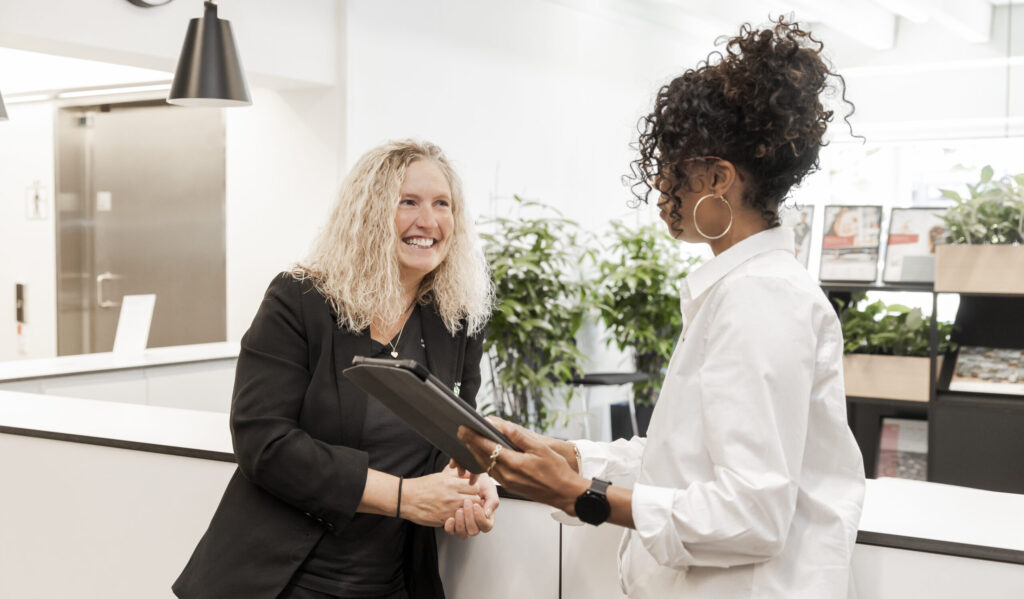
x=849, y=245
x=988, y=370
x=903, y=449
x=799, y=218
x=910, y=251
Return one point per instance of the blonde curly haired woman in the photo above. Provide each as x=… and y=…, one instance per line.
x=334, y=496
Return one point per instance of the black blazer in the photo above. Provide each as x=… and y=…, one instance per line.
x=296, y=425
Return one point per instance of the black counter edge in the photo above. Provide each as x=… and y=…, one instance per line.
x=982, y=552
x=187, y=452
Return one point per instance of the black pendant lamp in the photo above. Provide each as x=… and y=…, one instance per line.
x=3, y=109
x=209, y=72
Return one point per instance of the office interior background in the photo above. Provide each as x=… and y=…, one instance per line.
x=105, y=191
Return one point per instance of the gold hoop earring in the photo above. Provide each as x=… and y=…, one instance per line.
x=696, y=226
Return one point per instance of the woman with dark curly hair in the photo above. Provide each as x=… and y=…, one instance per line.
x=749, y=483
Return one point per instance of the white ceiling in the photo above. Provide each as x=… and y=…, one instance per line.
x=871, y=23
x=24, y=72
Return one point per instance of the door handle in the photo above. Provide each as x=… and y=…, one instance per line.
x=103, y=303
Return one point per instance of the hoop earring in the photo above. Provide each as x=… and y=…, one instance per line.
x=696, y=226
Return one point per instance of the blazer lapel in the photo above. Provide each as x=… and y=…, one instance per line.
x=345, y=345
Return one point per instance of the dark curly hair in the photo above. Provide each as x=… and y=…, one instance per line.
x=758, y=105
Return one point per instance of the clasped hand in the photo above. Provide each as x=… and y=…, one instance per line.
x=462, y=503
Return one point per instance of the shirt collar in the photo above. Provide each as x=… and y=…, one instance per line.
x=709, y=273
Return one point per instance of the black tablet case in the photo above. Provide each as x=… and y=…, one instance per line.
x=409, y=390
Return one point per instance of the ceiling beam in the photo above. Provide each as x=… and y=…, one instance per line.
x=861, y=20
x=663, y=15
x=971, y=20
x=918, y=11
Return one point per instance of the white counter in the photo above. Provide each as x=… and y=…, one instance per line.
x=18, y=370
x=946, y=513
x=193, y=377
x=121, y=424
x=124, y=484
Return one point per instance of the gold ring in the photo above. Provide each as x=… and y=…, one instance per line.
x=494, y=457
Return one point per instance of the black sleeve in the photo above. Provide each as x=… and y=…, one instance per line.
x=271, y=382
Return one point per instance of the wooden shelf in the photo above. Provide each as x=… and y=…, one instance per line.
x=852, y=287
x=917, y=406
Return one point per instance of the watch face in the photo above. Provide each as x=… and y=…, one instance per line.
x=592, y=508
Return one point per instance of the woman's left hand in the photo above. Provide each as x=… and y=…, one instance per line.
x=537, y=472
x=472, y=519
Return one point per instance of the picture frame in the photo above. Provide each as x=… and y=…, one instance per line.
x=800, y=219
x=914, y=233
x=850, y=243
x=902, y=449
x=980, y=369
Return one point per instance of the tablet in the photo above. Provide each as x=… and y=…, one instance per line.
x=419, y=398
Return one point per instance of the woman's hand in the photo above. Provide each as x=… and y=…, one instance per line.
x=472, y=518
x=539, y=472
x=431, y=500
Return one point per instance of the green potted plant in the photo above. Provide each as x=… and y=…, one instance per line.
x=531, y=338
x=983, y=252
x=886, y=349
x=637, y=297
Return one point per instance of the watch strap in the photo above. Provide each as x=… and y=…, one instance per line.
x=599, y=486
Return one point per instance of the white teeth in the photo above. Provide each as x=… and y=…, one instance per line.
x=420, y=242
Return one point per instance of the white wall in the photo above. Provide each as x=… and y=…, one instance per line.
x=283, y=156
x=27, y=247
x=528, y=97
x=283, y=166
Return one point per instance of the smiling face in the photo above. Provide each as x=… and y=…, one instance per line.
x=424, y=222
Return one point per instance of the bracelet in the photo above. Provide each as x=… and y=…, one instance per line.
x=579, y=457
x=398, y=508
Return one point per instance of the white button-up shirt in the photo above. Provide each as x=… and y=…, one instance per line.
x=749, y=483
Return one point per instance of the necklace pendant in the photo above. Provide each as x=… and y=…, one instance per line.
x=394, y=354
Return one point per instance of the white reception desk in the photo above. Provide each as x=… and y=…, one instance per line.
x=106, y=499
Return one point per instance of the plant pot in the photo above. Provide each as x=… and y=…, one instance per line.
x=887, y=377
x=622, y=425
x=979, y=268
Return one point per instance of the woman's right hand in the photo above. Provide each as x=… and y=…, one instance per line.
x=565, y=449
x=430, y=500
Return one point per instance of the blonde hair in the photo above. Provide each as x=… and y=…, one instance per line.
x=354, y=260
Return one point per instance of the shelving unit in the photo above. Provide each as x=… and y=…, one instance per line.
x=865, y=414
x=977, y=439
x=974, y=439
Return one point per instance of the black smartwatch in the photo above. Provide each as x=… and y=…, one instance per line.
x=592, y=506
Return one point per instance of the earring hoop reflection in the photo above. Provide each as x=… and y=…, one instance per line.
x=697, y=226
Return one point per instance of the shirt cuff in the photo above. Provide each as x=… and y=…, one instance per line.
x=592, y=458
x=653, y=516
